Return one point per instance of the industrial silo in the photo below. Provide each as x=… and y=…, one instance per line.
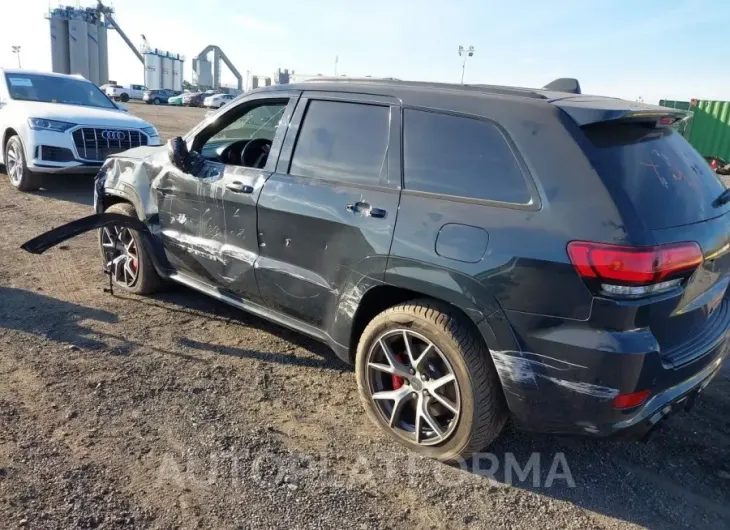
x=93, y=37
x=167, y=77
x=59, y=43
x=103, y=53
x=177, y=74
x=152, y=71
x=204, y=72
x=78, y=46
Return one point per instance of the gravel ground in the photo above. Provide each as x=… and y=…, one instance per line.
x=176, y=411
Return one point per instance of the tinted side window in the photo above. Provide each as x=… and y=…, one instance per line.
x=460, y=156
x=342, y=141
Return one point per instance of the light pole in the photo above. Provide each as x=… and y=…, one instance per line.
x=465, y=53
x=16, y=51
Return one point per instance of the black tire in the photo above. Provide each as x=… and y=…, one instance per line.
x=147, y=281
x=124, y=97
x=17, y=168
x=483, y=410
x=156, y=101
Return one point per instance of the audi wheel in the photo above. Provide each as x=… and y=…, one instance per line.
x=17, y=168
x=427, y=380
x=125, y=257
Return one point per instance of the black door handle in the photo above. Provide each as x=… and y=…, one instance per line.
x=239, y=187
x=377, y=212
x=366, y=210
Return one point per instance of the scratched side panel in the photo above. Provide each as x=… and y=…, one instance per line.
x=311, y=244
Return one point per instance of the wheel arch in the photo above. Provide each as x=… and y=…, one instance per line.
x=7, y=135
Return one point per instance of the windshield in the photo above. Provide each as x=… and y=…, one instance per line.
x=51, y=89
x=668, y=182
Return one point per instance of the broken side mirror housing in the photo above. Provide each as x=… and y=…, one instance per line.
x=177, y=150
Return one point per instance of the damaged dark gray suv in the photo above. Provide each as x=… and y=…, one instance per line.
x=478, y=252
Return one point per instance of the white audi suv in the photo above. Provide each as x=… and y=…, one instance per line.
x=54, y=123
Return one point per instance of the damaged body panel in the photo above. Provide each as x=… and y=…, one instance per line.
x=280, y=206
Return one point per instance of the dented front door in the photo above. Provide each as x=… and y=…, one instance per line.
x=208, y=217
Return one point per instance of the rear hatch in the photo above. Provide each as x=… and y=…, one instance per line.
x=664, y=186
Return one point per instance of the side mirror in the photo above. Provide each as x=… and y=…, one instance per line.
x=177, y=151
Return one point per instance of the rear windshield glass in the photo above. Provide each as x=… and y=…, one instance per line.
x=51, y=89
x=666, y=180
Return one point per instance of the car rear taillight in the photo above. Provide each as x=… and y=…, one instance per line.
x=627, y=401
x=634, y=271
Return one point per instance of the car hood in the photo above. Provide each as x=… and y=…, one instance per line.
x=142, y=152
x=81, y=115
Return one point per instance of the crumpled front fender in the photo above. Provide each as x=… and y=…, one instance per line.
x=41, y=243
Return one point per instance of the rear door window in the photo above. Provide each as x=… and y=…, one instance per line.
x=667, y=181
x=346, y=142
x=460, y=156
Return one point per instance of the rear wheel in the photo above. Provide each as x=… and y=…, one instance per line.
x=125, y=256
x=427, y=380
x=156, y=101
x=17, y=168
x=124, y=97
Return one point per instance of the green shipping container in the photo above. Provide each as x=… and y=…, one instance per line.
x=709, y=129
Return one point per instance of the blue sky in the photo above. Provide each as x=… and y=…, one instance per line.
x=641, y=48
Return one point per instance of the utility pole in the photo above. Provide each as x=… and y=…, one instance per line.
x=16, y=51
x=465, y=53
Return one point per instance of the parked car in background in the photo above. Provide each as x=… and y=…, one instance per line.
x=216, y=101
x=124, y=94
x=53, y=123
x=194, y=99
x=158, y=97
x=175, y=100
x=718, y=165
x=478, y=253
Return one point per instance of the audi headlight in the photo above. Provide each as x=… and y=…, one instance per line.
x=41, y=124
x=150, y=131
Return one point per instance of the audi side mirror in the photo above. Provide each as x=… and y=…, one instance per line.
x=177, y=150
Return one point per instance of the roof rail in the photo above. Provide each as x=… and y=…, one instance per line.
x=564, y=84
x=330, y=79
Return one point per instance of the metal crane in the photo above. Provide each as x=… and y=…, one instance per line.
x=107, y=12
x=218, y=55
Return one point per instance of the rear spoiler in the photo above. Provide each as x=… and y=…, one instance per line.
x=586, y=110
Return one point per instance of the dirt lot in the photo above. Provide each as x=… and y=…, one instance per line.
x=176, y=411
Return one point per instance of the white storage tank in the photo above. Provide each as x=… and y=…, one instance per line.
x=177, y=74
x=59, y=44
x=152, y=71
x=93, y=37
x=103, y=53
x=78, y=44
x=167, y=77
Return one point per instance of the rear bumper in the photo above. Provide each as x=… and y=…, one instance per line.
x=566, y=380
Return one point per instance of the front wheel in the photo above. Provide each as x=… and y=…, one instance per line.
x=427, y=380
x=17, y=168
x=125, y=257
x=156, y=101
x=124, y=98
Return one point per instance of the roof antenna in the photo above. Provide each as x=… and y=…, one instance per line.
x=564, y=84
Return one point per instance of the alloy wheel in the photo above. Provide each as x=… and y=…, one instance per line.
x=14, y=164
x=413, y=387
x=121, y=255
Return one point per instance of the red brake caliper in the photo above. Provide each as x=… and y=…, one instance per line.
x=397, y=380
